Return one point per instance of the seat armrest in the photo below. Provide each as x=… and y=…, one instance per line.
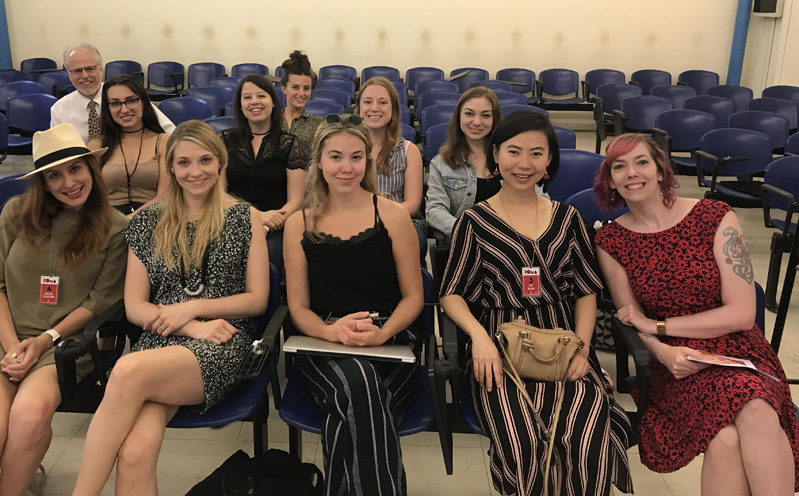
x=441, y=240
x=632, y=341
x=100, y=322
x=439, y=372
x=271, y=337
x=768, y=189
x=68, y=351
x=718, y=164
x=634, y=82
x=619, y=119
x=449, y=338
x=459, y=75
x=586, y=89
x=663, y=140
x=628, y=337
x=177, y=79
x=680, y=83
x=538, y=87
x=660, y=132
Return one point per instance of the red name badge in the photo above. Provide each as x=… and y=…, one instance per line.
x=48, y=290
x=531, y=282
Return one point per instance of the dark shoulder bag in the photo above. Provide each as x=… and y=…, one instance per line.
x=272, y=473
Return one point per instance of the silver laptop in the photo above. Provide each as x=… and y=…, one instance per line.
x=316, y=346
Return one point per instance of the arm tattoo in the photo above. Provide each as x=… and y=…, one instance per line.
x=647, y=336
x=738, y=255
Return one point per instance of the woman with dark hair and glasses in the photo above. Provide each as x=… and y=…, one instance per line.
x=357, y=251
x=519, y=255
x=266, y=165
x=133, y=164
x=298, y=81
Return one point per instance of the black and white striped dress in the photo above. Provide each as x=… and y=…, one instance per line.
x=593, y=432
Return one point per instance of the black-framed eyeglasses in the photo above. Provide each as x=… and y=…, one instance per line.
x=130, y=103
x=355, y=120
x=89, y=69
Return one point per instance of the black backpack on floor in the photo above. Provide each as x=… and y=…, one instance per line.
x=272, y=473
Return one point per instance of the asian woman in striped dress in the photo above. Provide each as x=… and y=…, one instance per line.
x=491, y=244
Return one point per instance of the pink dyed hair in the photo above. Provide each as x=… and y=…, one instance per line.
x=622, y=145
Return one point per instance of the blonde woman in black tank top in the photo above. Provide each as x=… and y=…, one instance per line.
x=331, y=295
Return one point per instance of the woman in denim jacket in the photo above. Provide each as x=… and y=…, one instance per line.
x=459, y=177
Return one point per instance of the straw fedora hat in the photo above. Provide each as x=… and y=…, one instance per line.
x=57, y=145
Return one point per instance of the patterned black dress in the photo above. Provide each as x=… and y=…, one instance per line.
x=593, y=432
x=225, y=276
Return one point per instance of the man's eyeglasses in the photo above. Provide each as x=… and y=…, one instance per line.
x=130, y=103
x=89, y=70
x=353, y=119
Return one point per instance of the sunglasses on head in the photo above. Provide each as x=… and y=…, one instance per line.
x=352, y=119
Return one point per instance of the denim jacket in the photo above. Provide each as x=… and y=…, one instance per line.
x=449, y=192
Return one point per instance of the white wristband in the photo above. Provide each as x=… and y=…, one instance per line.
x=53, y=334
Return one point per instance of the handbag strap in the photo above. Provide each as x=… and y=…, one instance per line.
x=547, y=434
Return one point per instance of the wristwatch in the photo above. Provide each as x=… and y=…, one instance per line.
x=661, y=327
x=53, y=334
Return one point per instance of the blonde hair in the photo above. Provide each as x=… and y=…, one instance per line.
x=315, y=203
x=171, y=236
x=394, y=131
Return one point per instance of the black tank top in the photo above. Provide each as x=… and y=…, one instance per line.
x=352, y=275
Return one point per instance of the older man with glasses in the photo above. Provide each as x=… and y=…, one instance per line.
x=82, y=108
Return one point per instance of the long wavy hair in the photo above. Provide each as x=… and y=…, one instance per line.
x=394, y=131
x=39, y=207
x=171, y=238
x=316, y=201
x=277, y=110
x=112, y=132
x=455, y=151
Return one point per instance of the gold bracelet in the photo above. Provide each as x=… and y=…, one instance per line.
x=661, y=327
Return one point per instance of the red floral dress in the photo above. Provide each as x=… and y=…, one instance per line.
x=674, y=273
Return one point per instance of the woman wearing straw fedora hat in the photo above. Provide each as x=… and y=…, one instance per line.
x=62, y=261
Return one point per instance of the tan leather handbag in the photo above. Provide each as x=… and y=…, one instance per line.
x=538, y=354
x=541, y=355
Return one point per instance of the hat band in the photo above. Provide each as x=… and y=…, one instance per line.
x=48, y=159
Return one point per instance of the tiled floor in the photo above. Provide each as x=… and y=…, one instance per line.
x=188, y=456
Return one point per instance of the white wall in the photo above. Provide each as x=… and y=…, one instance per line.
x=537, y=34
x=783, y=67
